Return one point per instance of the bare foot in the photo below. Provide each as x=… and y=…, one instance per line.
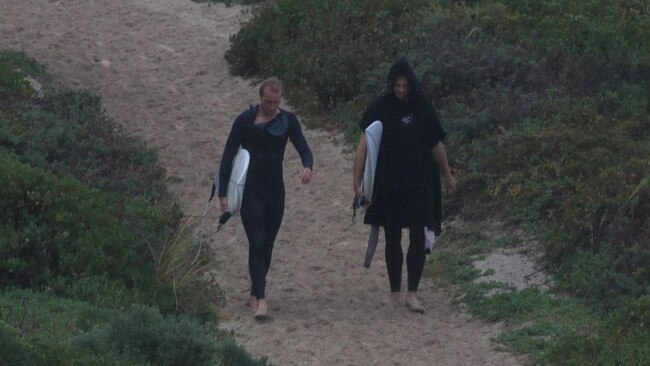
x=395, y=298
x=261, y=313
x=252, y=302
x=413, y=304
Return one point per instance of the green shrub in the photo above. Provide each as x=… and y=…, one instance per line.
x=532, y=339
x=13, y=350
x=87, y=216
x=232, y=354
x=143, y=335
x=622, y=339
x=56, y=227
x=57, y=223
x=38, y=329
x=14, y=67
x=452, y=267
x=587, y=185
x=69, y=133
x=83, y=243
x=602, y=278
x=102, y=290
x=508, y=305
x=44, y=324
x=322, y=50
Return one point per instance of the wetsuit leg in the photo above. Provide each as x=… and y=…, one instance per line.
x=394, y=256
x=415, y=257
x=261, y=218
x=252, y=216
x=274, y=212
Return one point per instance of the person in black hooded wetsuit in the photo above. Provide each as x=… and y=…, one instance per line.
x=263, y=130
x=406, y=190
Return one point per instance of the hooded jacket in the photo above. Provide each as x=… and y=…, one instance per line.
x=407, y=182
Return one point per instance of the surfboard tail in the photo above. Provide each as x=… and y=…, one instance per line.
x=373, y=238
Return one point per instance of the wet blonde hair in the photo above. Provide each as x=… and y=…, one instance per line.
x=272, y=83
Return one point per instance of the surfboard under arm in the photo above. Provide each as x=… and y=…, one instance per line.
x=237, y=180
x=373, y=140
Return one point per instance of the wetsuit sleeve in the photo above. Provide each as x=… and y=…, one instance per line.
x=298, y=140
x=229, y=151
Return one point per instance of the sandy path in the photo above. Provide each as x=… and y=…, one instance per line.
x=158, y=65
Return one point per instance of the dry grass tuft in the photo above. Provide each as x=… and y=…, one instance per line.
x=188, y=275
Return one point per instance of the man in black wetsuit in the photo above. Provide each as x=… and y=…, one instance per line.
x=406, y=190
x=264, y=131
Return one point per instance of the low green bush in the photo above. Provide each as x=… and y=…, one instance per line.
x=86, y=216
x=43, y=324
x=88, y=244
x=143, y=335
x=532, y=339
x=14, y=68
x=235, y=355
x=13, y=349
x=56, y=227
x=321, y=49
x=605, y=277
x=69, y=133
x=38, y=329
x=622, y=339
x=87, y=206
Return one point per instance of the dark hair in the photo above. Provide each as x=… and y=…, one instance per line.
x=403, y=68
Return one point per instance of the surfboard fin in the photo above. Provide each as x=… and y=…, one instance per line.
x=223, y=219
x=373, y=238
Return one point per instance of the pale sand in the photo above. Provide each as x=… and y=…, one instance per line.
x=159, y=68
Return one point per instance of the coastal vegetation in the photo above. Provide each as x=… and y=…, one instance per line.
x=96, y=260
x=547, y=107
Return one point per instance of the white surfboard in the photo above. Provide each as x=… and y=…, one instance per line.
x=373, y=139
x=235, y=191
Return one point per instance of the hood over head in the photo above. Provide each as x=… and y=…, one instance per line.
x=404, y=69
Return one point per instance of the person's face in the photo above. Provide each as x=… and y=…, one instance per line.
x=270, y=101
x=401, y=88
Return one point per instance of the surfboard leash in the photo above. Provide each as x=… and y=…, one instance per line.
x=357, y=204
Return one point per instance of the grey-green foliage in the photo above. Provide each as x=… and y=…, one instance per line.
x=38, y=329
x=14, y=68
x=13, y=349
x=143, y=335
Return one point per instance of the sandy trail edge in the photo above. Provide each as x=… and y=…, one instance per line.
x=159, y=68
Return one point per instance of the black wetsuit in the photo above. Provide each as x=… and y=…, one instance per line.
x=263, y=201
x=406, y=191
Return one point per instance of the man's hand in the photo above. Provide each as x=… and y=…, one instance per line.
x=440, y=156
x=358, y=191
x=305, y=176
x=359, y=166
x=450, y=183
x=223, y=202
